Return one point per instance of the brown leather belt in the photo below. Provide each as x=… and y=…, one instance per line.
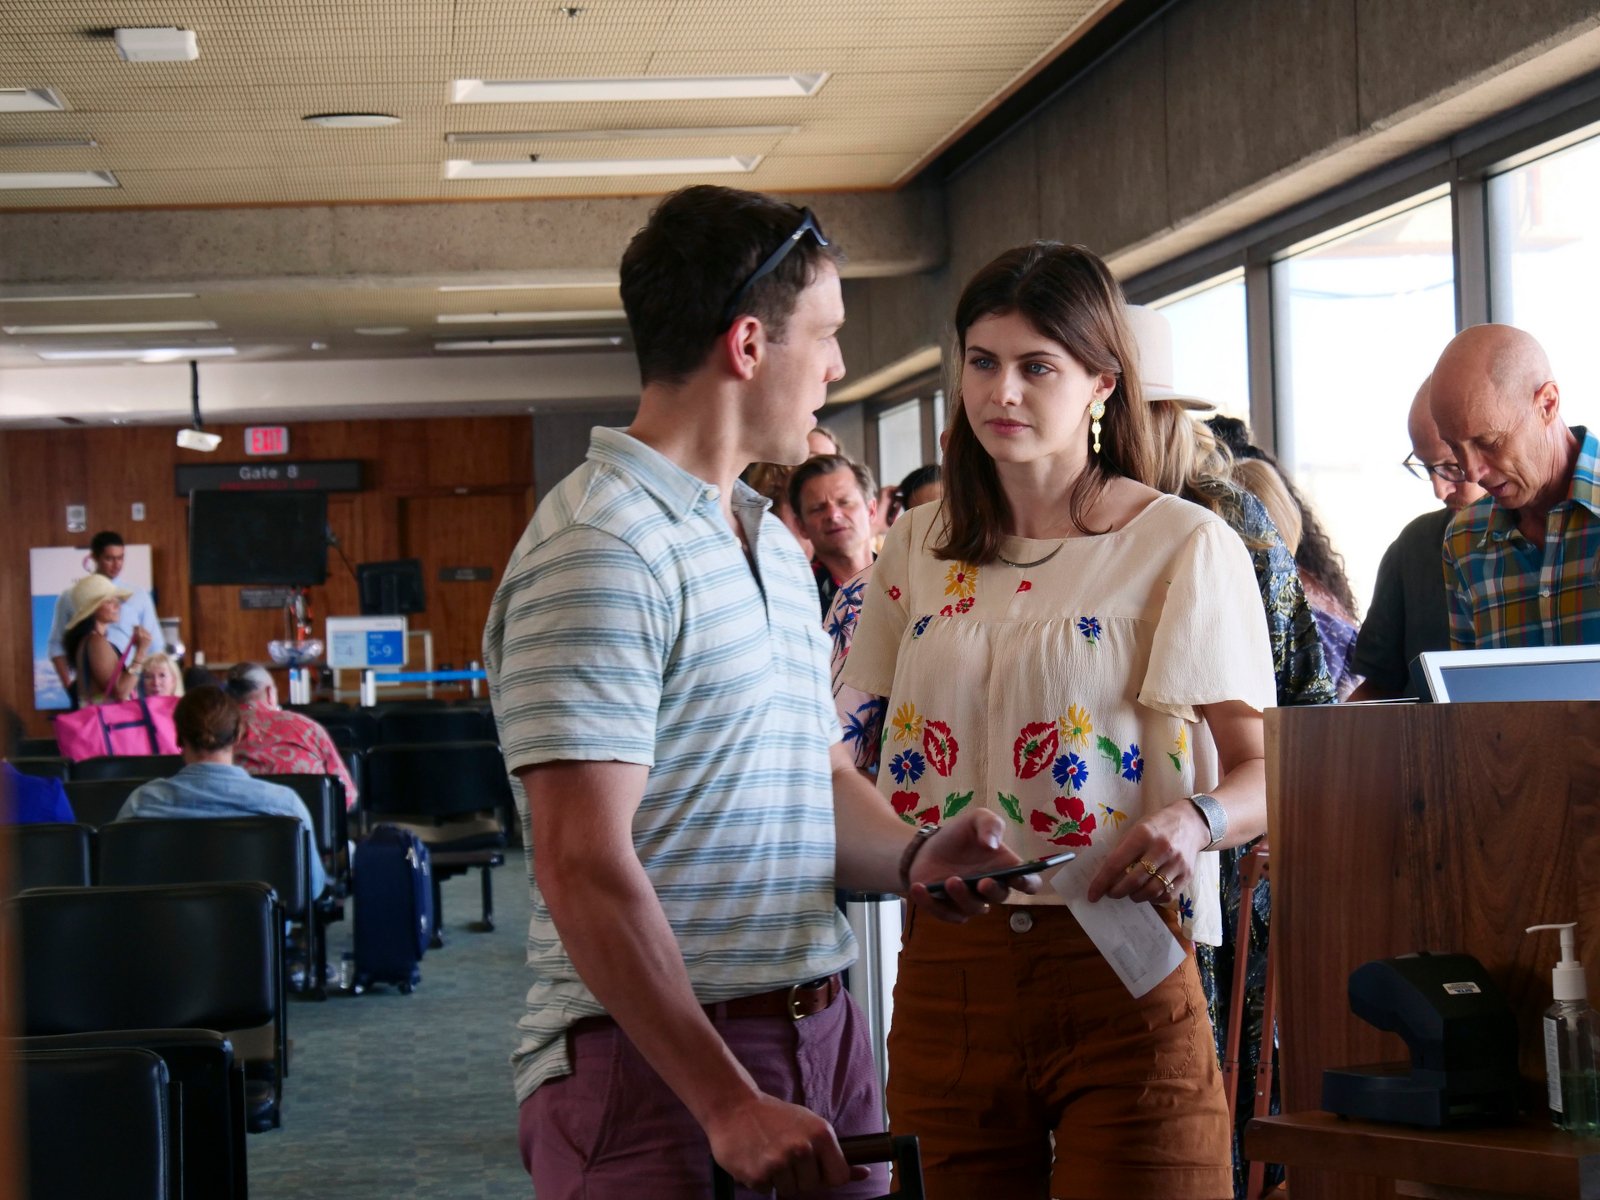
x=798, y=1002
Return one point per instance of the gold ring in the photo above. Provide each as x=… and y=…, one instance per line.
x=1149, y=867
x=1166, y=884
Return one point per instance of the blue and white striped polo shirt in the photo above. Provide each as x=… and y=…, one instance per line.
x=629, y=627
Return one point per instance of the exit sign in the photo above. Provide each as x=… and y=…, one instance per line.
x=266, y=439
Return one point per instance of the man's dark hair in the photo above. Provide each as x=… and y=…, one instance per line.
x=681, y=270
x=106, y=537
x=827, y=464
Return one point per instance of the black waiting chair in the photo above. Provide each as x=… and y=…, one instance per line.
x=353, y=727
x=274, y=850
x=48, y=855
x=97, y=802
x=51, y=767
x=205, y=1087
x=435, y=725
x=454, y=796
x=32, y=747
x=355, y=761
x=185, y=956
x=323, y=796
x=128, y=766
x=96, y=1123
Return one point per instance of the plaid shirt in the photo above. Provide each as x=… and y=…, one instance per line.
x=1506, y=591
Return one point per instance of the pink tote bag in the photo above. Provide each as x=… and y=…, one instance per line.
x=137, y=726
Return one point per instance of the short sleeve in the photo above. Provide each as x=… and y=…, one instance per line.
x=1210, y=644
x=1380, y=645
x=54, y=647
x=579, y=652
x=884, y=613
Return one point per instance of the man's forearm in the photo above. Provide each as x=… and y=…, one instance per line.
x=59, y=662
x=869, y=838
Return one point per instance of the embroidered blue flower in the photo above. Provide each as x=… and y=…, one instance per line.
x=1132, y=763
x=908, y=764
x=1185, y=907
x=922, y=623
x=1090, y=628
x=1070, y=770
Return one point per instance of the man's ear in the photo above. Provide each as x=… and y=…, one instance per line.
x=743, y=347
x=1548, y=401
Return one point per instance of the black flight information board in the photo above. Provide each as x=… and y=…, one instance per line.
x=336, y=475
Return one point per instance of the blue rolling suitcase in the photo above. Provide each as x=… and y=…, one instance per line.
x=393, y=898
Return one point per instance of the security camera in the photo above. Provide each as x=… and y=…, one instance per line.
x=195, y=439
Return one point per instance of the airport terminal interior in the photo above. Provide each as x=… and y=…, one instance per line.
x=312, y=306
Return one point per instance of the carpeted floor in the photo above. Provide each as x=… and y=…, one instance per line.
x=410, y=1096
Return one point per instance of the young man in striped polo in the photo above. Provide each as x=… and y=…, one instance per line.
x=659, y=679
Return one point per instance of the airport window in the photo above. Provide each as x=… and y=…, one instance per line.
x=1544, y=256
x=1359, y=318
x=1210, y=347
x=899, y=441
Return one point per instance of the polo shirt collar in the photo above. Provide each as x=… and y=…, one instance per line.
x=1584, y=489
x=677, y=491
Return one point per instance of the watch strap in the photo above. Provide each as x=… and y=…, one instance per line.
x=909, y=854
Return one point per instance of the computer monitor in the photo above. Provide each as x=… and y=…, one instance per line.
x=1527, y=673
x=391, y=589
x=258, y=539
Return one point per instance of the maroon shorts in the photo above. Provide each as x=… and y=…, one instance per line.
x=1027, y=1070
x=612, y=1130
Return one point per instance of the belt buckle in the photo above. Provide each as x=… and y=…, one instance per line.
x=795, y=989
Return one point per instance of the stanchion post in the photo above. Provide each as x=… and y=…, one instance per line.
x=369, y=688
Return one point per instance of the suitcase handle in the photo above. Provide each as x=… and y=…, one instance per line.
x=867, y=1148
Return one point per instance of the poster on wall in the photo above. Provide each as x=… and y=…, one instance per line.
x=51, y=571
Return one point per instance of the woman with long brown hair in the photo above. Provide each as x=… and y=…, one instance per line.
x=1087, y=657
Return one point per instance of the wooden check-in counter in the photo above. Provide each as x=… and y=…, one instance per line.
x=1443, y=827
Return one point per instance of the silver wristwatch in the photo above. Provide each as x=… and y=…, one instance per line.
x=1216, y=817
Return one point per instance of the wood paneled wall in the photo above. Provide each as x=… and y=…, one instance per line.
x=110, y=469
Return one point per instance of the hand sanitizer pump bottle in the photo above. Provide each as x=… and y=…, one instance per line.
x=1571, y=1043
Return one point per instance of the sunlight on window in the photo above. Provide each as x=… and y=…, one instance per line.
x=1210, y=350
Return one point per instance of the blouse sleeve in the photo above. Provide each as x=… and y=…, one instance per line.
x=1211, y=642
x=870, y=665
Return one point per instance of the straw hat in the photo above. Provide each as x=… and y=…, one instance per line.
x=1153, y=333
x=89, y=594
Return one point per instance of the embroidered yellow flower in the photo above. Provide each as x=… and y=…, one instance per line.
x=1113, y=816
x=961, y=580
x=907, y=723
x=1075, y=726
x=1179, y=748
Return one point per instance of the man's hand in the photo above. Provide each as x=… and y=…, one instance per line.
x=767, y=1143
x=141, y=640
x=968, y=845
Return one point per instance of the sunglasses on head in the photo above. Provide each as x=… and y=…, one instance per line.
x=808, y=224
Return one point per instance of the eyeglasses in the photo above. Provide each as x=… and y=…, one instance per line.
x=808, y=224
x=1448, y=471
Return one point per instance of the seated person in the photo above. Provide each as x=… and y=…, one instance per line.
x=209, y=724
x=26, y=799
x=161, y=676
x=275, y=742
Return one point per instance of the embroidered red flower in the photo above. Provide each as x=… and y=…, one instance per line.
x=964, y=604
x=928, y=816
x=1035, y=749
x=947, y=611
x=894, y=593
x=905, y=804
x=939, y=746
x=1071, y=828
x=1025, y=586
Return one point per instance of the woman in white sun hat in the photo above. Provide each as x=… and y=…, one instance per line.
x=103, y=675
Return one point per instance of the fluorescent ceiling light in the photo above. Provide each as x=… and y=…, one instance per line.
x=382, y=330
x=31, y=100
x=533, y=318
x=552, y=285
x=352, y=120
x=20, y=181
x=570, y=91
x=624, y=135
x=91, y=299
x=148, y=354
x=114, y=327
x=156, y=45
x=49, y=143
x=552, y=343
x=584, y=168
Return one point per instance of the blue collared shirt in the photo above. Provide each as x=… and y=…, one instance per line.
x=31, y=799
x=137, y=610
x=216, y=790
x=1505, y=590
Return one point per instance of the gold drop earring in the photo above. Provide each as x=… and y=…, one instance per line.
x=1096, y=411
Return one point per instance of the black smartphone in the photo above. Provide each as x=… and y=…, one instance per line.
x=1005, y=873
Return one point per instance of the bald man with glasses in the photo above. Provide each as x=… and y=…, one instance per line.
x=1409, y=612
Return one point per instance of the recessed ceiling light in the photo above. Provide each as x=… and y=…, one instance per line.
x=585, y=168
x=552, y=343
x=623, y=135
x=143, y=354
x=542, y=286
x=48, y=143
x=156, y=45
x=21, y=181
x=41, y=99
x=382, y=330
x=114, y=327
x=93, y=299
x=533, y=318
x=352, y=120
x=570, y=91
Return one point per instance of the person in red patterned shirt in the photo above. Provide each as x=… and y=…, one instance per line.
x=275, y=742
